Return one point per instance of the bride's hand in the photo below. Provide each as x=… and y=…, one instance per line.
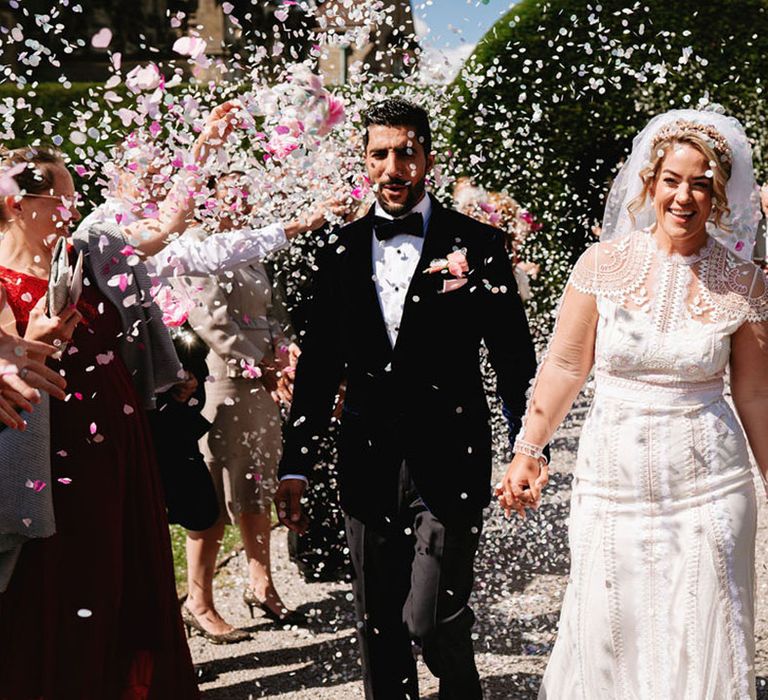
x=521, y=486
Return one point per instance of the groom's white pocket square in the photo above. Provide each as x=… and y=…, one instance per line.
x=453, y=284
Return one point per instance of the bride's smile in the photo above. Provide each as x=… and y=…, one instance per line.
x=682, y=198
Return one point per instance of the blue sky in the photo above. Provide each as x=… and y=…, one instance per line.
x=448, y=31
x=455, y=22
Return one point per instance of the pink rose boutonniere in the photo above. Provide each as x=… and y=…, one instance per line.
x=454, y=264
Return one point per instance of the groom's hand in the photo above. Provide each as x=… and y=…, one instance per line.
x=289, y=510
x=522, y=484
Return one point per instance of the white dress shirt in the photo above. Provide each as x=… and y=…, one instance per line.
x=194, y=254
x=394, y=264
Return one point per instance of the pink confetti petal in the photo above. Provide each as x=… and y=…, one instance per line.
x=192, y=46
x=128, y=409
x=454, y=284
x=105, y=358
x=93, y=428
x=101, y=39
x=64, y=480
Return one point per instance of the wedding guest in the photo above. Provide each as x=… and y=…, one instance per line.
x=91, y=611
x=248, y=348
x=660, y=596
x=503, y=211
x=177, y=425
x=22, y=378
x=759, y=255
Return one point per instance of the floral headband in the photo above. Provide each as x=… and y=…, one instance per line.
x=683, y=127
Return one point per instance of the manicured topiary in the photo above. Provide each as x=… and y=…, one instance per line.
x=553, y=94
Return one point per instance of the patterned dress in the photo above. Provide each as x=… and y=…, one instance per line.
x=660, y=599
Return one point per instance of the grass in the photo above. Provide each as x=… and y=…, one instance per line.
x=229, y=543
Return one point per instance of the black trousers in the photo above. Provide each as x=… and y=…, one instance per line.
x=413, y=582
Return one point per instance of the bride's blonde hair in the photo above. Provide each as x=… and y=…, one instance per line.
x=710, y=144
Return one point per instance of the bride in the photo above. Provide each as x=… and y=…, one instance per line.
x=660, y=598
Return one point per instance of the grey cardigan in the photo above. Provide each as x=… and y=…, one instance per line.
x=145, y=346
x=148, y=353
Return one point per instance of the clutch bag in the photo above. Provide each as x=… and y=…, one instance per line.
x=64, y=283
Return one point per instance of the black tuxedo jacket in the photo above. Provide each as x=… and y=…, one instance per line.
x=422, y=400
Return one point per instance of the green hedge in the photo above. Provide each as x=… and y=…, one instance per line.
x=530, y=102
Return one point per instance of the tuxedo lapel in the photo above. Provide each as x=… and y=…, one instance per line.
x=362, y=290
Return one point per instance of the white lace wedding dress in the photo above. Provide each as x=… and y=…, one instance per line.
x=659, y=603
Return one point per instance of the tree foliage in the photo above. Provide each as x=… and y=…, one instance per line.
x=551, y=98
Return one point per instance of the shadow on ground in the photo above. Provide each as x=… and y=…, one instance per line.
x=323, y=664
x=511, y=686
x=511, y=555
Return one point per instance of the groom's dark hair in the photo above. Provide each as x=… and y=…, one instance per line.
x=396, y=111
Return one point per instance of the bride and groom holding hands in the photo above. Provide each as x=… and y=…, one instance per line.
x=661, y=593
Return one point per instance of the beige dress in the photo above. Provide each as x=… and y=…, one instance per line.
x=237, y=319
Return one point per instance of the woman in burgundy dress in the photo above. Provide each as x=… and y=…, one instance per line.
x=91, y=612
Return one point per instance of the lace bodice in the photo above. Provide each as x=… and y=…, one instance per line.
x=665, y=318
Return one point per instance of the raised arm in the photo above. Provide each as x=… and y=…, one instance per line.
x=230, y=249
x=560, y=378
x=191, y=256
x=150, y=236
x=749, y=382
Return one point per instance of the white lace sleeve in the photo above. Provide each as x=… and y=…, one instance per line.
x=584, y=275
x=613, y=268
x=565, y=366
x=758, y=298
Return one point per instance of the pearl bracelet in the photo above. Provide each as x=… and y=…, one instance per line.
x=530, y=450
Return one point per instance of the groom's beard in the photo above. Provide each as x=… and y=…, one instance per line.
x=415, y=193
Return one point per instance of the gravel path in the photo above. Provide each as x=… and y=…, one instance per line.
x=521, y=573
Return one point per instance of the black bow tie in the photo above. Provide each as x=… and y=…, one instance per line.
x=412, y=225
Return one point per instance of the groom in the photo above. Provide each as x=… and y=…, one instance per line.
x=415, y=441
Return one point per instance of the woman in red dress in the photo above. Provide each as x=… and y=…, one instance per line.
x=91, y=612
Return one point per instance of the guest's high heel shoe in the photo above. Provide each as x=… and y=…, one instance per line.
x=191, y=623
x=289, y=617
